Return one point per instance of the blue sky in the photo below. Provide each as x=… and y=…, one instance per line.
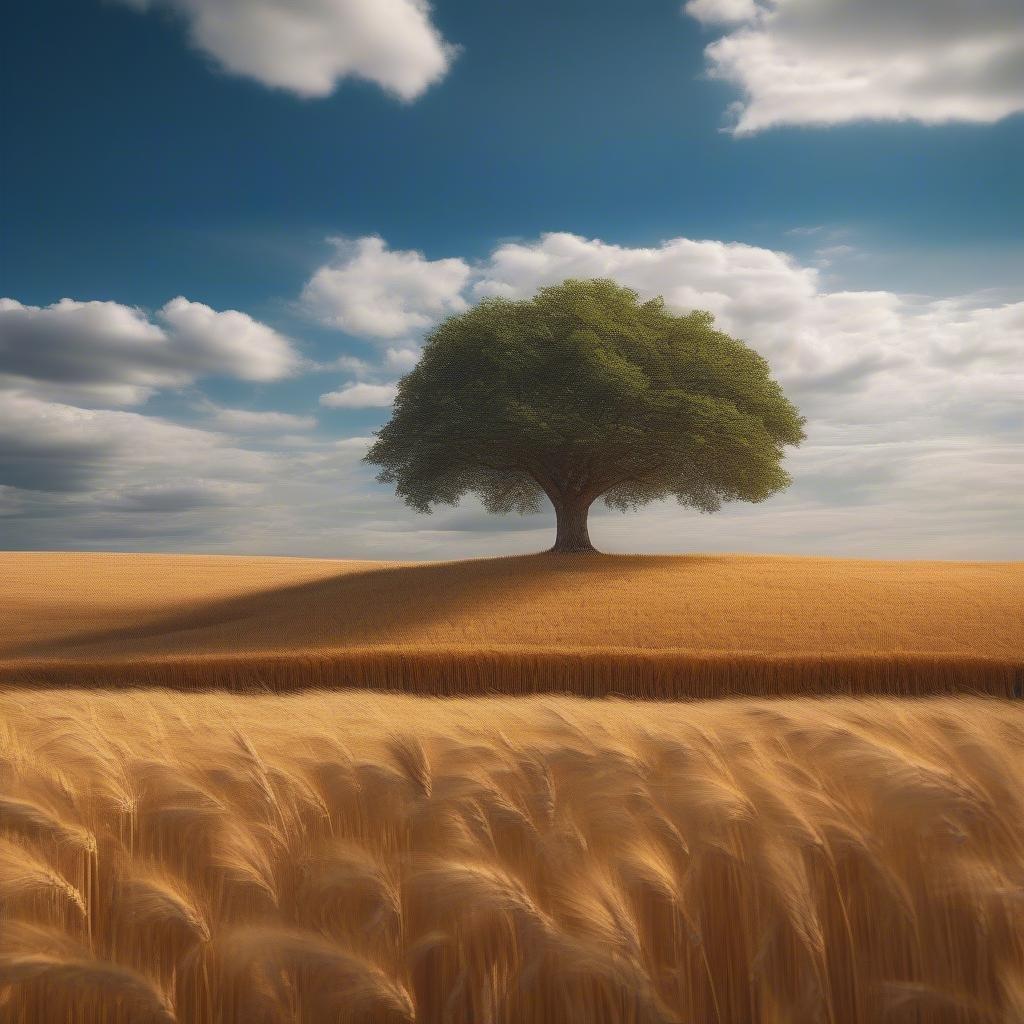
x=835, y=180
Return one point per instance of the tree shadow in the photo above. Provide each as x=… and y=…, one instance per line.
x=363, y=608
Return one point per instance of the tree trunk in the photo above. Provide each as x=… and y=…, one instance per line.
x=571, y=526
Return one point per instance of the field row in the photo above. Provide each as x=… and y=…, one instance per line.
x=595, y=672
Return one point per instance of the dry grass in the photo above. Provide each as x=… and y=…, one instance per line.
x=655, y=626
x=356, y=857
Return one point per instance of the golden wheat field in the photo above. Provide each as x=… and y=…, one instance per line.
x=357, y=857
x=650, y=626
x=187, y=853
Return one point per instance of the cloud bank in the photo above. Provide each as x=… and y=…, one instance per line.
x=915, y=436
x=823, y=62
x=308, y=47
x=912, y=400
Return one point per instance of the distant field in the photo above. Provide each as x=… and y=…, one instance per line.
x=700, y=625
x=354, y=857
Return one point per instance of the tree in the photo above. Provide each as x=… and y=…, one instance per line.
x=584, y=392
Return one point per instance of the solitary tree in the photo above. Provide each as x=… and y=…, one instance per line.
x=584, y=392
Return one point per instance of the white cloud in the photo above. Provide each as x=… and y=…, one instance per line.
x=244, y=421
x=105, y=353
x=820, y=62
x=228, y=342
x=308, y=46
x=721, y=12
x=360, y=396
x=375, y=292
x=354, y=444
x=86, y=349
x=397, y=358
x=402, y=359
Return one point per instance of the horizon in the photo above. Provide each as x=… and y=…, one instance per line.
x=546, y=554
x=221, y=251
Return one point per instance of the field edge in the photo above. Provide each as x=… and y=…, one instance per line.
x=588, y=672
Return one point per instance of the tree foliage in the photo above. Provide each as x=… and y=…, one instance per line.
x=585, y=392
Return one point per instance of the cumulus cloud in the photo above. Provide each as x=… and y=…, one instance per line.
x=821, y=62
x=227, y=342
x=378, y=293
x=359, y=395
x=106, y=353
x=308, y=47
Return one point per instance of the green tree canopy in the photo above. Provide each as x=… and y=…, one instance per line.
x=585, y=392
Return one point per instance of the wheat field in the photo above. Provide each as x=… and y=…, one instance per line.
x=648, y=626
x=358, y=857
